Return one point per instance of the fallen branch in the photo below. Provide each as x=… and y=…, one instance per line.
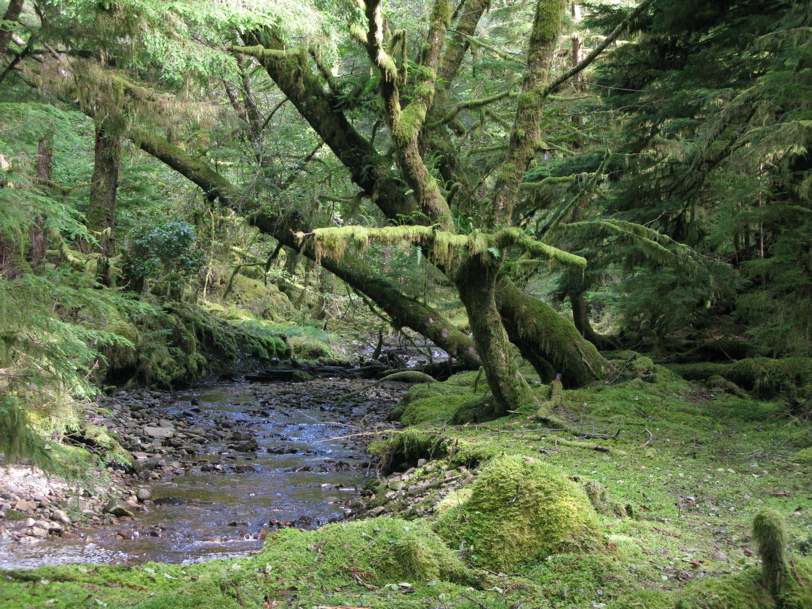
x=408, y=376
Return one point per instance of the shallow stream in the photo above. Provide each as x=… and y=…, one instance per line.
x=307, y=470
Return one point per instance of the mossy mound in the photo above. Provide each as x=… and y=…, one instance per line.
x=380, y=551
x=437, y=402
x=309, y=347
x=405, y=448
x=182, y=343
x=519, y=511
x=100, y=440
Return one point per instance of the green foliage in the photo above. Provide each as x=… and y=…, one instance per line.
x=164, y=253
x=713, y=151
x=51, y=330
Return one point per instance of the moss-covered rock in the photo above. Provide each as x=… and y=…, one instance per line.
x=519, y=511
x=264, y=301
x=101, y=439
x=381, y=551
x=762, y=375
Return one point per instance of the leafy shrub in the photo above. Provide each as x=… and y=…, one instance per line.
x=163, y=253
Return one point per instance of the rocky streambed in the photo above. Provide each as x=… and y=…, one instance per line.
x=216, y=470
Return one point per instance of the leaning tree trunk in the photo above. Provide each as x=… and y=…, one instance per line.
x=476, y=282
x=548, y=341
x=13, y=11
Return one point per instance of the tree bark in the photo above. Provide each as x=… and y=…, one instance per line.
x=39, y=241
x=13, y=11
x=476, y=282
x=101, y=212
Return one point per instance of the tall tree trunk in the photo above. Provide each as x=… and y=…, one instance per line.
x=39, y=240
x=101, y=211
x=476, y=281
x=13, y=11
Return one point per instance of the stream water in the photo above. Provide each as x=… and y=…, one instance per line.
x=305, y=473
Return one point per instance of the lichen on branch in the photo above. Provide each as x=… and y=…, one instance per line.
x=444, y=245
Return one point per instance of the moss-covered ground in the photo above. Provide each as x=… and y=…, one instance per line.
x=676, y=472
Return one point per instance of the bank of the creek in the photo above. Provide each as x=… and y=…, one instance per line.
x=218, y=468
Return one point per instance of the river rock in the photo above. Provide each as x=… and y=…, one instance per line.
x=143, y=494
x=39, y=532
x=25, y=506
x=246, y=446
x=61, y=516
x=159, y=432
x=117, y=507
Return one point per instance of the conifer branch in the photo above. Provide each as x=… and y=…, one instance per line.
x=595, y=53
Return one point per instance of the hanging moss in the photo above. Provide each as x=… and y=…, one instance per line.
x=184, y=343
x=521, y=511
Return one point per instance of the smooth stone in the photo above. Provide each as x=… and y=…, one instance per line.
x=159, y=432
x=143, y=494
x=117, y=507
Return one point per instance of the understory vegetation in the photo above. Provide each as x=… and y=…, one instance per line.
x=659, y=493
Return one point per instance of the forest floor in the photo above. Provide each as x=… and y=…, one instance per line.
x=674, y=471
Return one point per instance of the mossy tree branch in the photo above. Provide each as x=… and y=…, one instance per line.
x=526, y=135
x=405, y=124
x=369, y=170
x=442, y=245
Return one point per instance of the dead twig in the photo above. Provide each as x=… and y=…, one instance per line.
x=476, y=602
x=650, y=437
x=237, y=591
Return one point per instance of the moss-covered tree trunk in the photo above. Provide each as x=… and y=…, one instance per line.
x=101, y=211
x=39, y=241
x=11, y=15
x=476, y=281
x=548, y=341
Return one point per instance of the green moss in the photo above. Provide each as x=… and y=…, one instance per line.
x=770, y=535
x=404, y=449
x=309, y=348
x=521, y=511
x=436, y=410
x=740, y=591
x=14, y=515
x=109, y=447
x=765, y=376
x=380, y=551
x=803, y=456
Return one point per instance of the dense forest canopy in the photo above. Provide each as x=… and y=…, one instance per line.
x=532, y=175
